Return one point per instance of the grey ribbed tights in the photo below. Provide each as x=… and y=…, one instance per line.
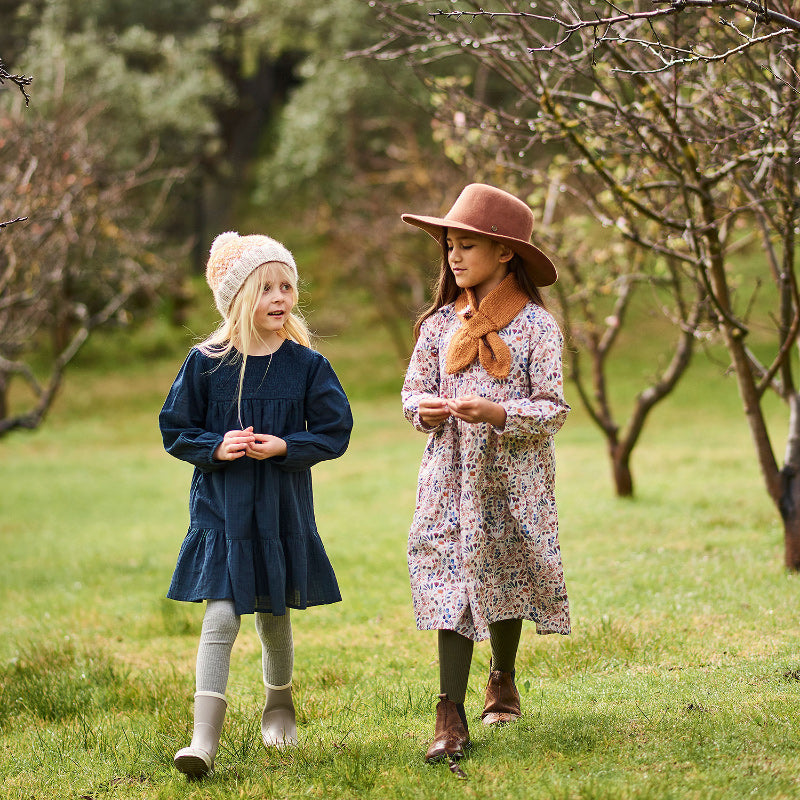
x=221, y=627
x=277, y=649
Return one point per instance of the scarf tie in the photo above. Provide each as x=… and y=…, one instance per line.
x=478, y=335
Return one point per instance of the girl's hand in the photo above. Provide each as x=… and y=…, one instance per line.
x=433, y=411
x=266, y=446
x=234, y=444
x=473, y=408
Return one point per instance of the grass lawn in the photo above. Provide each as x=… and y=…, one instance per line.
x=681, y=678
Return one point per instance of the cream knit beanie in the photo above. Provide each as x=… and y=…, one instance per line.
x=233, y=258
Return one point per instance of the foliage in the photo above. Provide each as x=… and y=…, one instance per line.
x=259, y=106
x=92, y=166
x=151, y=91
x=352, y=150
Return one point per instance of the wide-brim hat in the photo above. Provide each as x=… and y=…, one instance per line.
x=491, y=212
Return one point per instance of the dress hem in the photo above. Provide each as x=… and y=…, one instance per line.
x=477, y=637
x=257, y=610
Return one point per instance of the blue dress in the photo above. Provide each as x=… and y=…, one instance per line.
x=252, y=535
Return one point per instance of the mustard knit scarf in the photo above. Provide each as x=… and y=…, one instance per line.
x=477, y=337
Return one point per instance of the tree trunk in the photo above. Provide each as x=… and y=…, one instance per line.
x=790, y=512
x=621, y=468
x=258, y=99
x=4, y=384
x=789, y=501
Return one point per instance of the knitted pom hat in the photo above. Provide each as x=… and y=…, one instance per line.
x=233, y=258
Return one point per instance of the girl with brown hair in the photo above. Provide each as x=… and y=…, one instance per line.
x=485, y=384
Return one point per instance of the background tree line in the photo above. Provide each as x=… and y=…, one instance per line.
x=655, y=143
x=155, y=126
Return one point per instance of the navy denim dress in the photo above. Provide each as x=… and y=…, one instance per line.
x=252, y=535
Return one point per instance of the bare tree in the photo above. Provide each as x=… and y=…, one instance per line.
x=682, y=132
x=78, y=262
x=598, y=286
x=598, y=283
x=22, y=82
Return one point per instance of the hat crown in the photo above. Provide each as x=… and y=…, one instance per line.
x=491, y=211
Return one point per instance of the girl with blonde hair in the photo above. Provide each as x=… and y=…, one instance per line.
x=253, y=408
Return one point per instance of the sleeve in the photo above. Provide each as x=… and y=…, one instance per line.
x=545, y=410
x=183, y=416
x=422, y=376
x=329, y=422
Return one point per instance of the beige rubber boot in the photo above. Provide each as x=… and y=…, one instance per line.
x=197, y=760
x=278, y=721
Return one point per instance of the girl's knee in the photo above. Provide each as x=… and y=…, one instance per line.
x=271, y=626
x=221, y=618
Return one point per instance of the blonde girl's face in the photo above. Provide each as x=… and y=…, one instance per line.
x=477, y=262
x=276, y=301
x=261, y=308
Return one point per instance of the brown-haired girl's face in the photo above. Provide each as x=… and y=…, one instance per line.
x=476, y=261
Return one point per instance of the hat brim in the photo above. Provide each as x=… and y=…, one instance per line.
x=539, y=267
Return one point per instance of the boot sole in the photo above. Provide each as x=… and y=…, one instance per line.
x=499, y=718
x=279, y=744
x=192, y=766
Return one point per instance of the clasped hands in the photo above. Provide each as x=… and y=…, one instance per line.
x=433, y=411
x=260, y=446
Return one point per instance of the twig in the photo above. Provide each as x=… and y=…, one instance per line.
x=21, y=81
x=12, y=221
x=455, y=768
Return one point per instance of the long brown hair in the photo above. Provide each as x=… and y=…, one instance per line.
x=447, y=290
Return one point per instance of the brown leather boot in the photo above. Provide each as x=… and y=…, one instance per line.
x=451, y=735
x=502, y=699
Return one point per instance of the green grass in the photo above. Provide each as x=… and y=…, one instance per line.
x=681, y=678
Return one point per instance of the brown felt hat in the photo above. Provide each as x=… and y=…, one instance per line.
x=497, y=215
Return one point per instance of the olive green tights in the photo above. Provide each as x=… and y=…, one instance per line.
x=455, y=656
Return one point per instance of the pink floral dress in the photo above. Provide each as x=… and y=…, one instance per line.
x=483, y=545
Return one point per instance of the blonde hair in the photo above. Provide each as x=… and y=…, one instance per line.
x=237, y=332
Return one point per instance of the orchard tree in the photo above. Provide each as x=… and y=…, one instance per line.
x=681, y=121
x=81, y=258
x=600, y=282
x=601, y=278
x=93, y=184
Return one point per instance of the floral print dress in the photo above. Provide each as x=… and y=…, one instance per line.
x=483, y=545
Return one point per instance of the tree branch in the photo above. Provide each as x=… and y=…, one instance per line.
x=21, y=81
x=12, y=221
